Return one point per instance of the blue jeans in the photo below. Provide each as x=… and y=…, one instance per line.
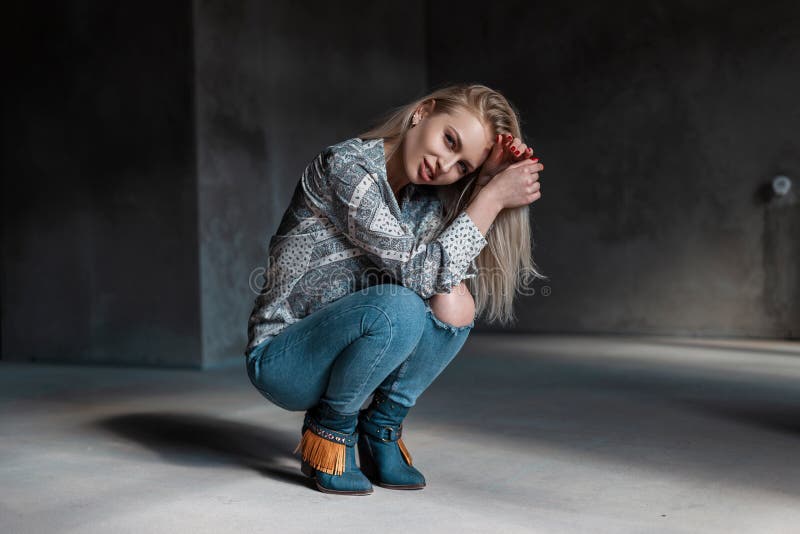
x=381, y=337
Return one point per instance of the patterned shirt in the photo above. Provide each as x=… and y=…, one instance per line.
x=344, y=229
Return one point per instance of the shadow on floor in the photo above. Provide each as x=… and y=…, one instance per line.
x=203, y=441
x=773, y=416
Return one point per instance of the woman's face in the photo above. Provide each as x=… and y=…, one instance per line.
x=444, y=147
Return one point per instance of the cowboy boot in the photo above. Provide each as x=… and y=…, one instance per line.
x=328, y=451
x=382, y=453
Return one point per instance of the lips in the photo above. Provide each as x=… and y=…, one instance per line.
x=425, y=171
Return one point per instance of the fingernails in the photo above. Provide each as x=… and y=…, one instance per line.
x=535, y=160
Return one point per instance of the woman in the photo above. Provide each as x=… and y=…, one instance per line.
x=378, y=269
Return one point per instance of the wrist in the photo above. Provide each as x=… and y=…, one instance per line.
x=475, y=191
x=483, y=209
x=488, y=196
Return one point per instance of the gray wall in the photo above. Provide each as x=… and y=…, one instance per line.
x=658, y=123
x=149, y=151
x=99, y=187
x=275, y=85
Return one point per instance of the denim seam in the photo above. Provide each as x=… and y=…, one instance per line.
x=271, y=398
x=325, y=322
x=379, y=358
x=400, y=372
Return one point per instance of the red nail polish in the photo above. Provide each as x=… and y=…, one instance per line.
x=535, y=160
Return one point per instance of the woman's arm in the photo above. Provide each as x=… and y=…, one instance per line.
x=483, y=209
x=517, y=185
x=484, y=205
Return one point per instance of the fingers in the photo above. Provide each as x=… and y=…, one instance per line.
x=507, y=145
x=497, y=150
x=527, y=163
x=533, y=192
x=516, y=148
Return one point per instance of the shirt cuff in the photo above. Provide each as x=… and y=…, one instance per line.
x=472, y=270
x=463, y=242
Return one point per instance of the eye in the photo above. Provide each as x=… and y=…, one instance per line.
x=452, y=142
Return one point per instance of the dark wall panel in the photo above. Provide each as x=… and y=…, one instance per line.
x=99, y=193
x=659, y=124
x=277, y=83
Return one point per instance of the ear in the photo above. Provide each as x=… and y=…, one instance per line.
x=427, y=108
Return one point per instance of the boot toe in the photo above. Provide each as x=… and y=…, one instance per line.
x=406, y=477
x=349, y=482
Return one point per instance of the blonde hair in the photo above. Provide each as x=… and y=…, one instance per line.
x=505, y=265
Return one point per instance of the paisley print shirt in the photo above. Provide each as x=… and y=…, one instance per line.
x=345, y=230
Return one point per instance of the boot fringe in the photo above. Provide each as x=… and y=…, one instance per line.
x=322, y=454
x=404, y=451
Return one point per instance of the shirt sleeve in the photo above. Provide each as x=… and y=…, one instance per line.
x=472, y=269
x=340, y=184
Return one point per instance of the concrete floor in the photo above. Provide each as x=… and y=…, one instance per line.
x=519, y=434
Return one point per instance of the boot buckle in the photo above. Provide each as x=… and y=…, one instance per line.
x=395, y=433
x=389, y=438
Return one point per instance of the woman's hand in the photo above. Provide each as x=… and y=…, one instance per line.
x=517, y=185
x=507, y=149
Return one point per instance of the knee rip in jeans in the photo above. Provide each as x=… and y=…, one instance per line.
x=454, y=330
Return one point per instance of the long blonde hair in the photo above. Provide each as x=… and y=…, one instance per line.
x=505, y=265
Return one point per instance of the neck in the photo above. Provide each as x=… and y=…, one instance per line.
x=395, y=174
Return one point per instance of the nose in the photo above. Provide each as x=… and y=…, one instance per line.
x=445, y=165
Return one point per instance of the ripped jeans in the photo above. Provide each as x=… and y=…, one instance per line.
x=381, y=337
